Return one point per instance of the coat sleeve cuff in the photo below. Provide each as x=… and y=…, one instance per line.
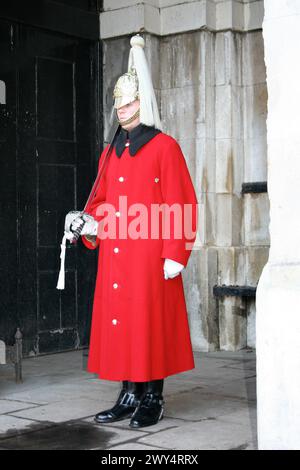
x=173, y=254
x=89, y=244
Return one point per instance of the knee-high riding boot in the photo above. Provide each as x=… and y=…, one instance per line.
x=125, y=405
x=150, y=409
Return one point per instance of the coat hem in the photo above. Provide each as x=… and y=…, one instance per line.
x=138, y=379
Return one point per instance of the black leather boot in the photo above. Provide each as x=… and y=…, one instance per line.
x=126, y=404
x=150, y=410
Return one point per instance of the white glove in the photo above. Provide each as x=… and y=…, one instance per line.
x=172, y=268
x=90, y=227
x=70, y=217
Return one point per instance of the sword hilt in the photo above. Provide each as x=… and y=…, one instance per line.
x=77, y=232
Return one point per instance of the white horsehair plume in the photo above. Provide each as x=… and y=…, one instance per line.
x=149, y=114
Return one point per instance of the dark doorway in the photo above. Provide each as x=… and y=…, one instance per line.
x=50, y=130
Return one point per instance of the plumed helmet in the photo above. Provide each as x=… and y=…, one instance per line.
x=136, y=83
x=126, y=89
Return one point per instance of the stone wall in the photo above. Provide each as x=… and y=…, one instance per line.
x=211, y=89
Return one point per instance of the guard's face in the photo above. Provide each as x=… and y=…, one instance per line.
x=126, y=111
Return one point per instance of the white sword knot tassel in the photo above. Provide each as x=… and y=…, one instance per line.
x=61, y=277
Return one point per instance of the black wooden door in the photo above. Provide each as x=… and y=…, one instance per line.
x=49, y=149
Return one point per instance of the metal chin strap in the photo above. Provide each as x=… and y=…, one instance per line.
x=131, y=119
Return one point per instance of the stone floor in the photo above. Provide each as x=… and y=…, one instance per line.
x=210, y=407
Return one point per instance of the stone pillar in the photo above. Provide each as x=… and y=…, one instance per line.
x=278, y=293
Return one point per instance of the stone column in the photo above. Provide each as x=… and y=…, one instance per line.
x=278, y=293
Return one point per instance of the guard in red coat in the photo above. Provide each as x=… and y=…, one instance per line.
x=144, y=221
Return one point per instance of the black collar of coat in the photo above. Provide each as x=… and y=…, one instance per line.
x=138, y=137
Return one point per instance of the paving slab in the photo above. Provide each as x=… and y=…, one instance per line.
x=212, y=434
x=59, y=412
x=11, y=425
x=236, y=356
x=7, y=406
x=241, y=389
x=222, y=376
x=68, y=389
x=242, y=365
x=245, y=415
x=196, y=405
x=208, y=376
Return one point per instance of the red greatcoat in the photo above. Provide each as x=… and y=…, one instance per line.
x=140, y=328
